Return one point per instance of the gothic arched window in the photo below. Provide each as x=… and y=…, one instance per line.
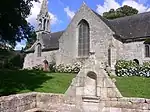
x=39, y=50
x=44, y=24
x=147, y=50
x=83, y=39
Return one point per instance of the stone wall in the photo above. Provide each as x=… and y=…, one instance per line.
x=18, y=103
x=131, y=51
x=35, y=101
x=127, y=105
x=100, y=37
x=48, y=101
x=32, y=60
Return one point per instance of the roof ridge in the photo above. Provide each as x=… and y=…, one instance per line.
x=126, y=17
x=58, y=31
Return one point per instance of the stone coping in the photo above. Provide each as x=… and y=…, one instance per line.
x=28, y=101
x=35, y=94
x=129, y=99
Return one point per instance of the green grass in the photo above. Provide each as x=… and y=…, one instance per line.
x=13, y=82
x=133, y=86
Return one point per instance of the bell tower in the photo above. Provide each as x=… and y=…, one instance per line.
x=43, y=18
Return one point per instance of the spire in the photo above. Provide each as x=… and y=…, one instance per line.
x=44, y=18
x=44, y=7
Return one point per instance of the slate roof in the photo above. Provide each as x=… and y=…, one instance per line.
x=51, y=41
x=130, y=27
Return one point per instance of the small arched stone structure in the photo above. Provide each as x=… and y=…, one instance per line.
x=90, y=85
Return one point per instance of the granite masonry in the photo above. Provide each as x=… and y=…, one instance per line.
x=47, y=102
x=91, y=90
x=95, y=42
x=110, y=40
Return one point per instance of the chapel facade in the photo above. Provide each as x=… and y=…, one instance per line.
x=90, y=34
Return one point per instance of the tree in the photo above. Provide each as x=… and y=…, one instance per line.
x=120, y=12
x=13, y=24
x=30, y=42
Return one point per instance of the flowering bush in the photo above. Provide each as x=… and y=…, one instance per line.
x=52, y=66
x=38, y=67
x=75, y=68
x=131, y=68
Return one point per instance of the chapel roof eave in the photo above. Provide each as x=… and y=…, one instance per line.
x=50, y=42
x=129, y=28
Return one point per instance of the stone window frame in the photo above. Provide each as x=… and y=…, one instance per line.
x=83, y=39
x=147, y=50
x=39, y=50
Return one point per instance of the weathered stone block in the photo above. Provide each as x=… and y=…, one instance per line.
x=103, y=93
x=98, y=91
x=79, y=91
x=115, y=110
x=100, y=82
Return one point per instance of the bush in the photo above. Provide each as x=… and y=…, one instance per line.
x=11, y=59
x=52, y=66
x=131, y=68
x=38, y=67
x=75, y=68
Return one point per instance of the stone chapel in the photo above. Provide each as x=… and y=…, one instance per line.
x=90, y=34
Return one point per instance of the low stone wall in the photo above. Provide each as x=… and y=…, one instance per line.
x=18, y=103
x=127, y=105
x=45, y=100
x=27, y=101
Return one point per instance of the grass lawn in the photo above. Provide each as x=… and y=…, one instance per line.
x=134, y=86
x=12, y=82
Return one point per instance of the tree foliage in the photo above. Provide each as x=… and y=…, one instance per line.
x=120, y=12
x=13, y=24
x=10, y=59
x=30, y=41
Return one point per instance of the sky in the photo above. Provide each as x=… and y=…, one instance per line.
x=62, y=11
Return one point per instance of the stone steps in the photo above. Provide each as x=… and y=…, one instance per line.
x=91, y=99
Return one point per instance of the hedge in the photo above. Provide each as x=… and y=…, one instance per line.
x=131, y=68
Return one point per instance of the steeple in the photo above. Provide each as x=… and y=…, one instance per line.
x=44, y=18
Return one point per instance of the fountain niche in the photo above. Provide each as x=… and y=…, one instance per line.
x=90, y=88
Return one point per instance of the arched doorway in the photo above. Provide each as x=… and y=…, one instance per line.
x=90, y=87
x=46, y=65
x=136, y=61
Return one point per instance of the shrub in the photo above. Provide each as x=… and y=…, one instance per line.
x=75, y=68
x=131, y=68
x=62, y=68
x=52, y=66
x=38, y=67
x=10, y=59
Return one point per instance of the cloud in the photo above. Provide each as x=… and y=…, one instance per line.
x=140, y=7
x=70, y=13
x=35, y=11
x=109, y=4
x=142, y=1
x=20, y=45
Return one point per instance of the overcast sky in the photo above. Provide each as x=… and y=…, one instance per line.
x=62, y=11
